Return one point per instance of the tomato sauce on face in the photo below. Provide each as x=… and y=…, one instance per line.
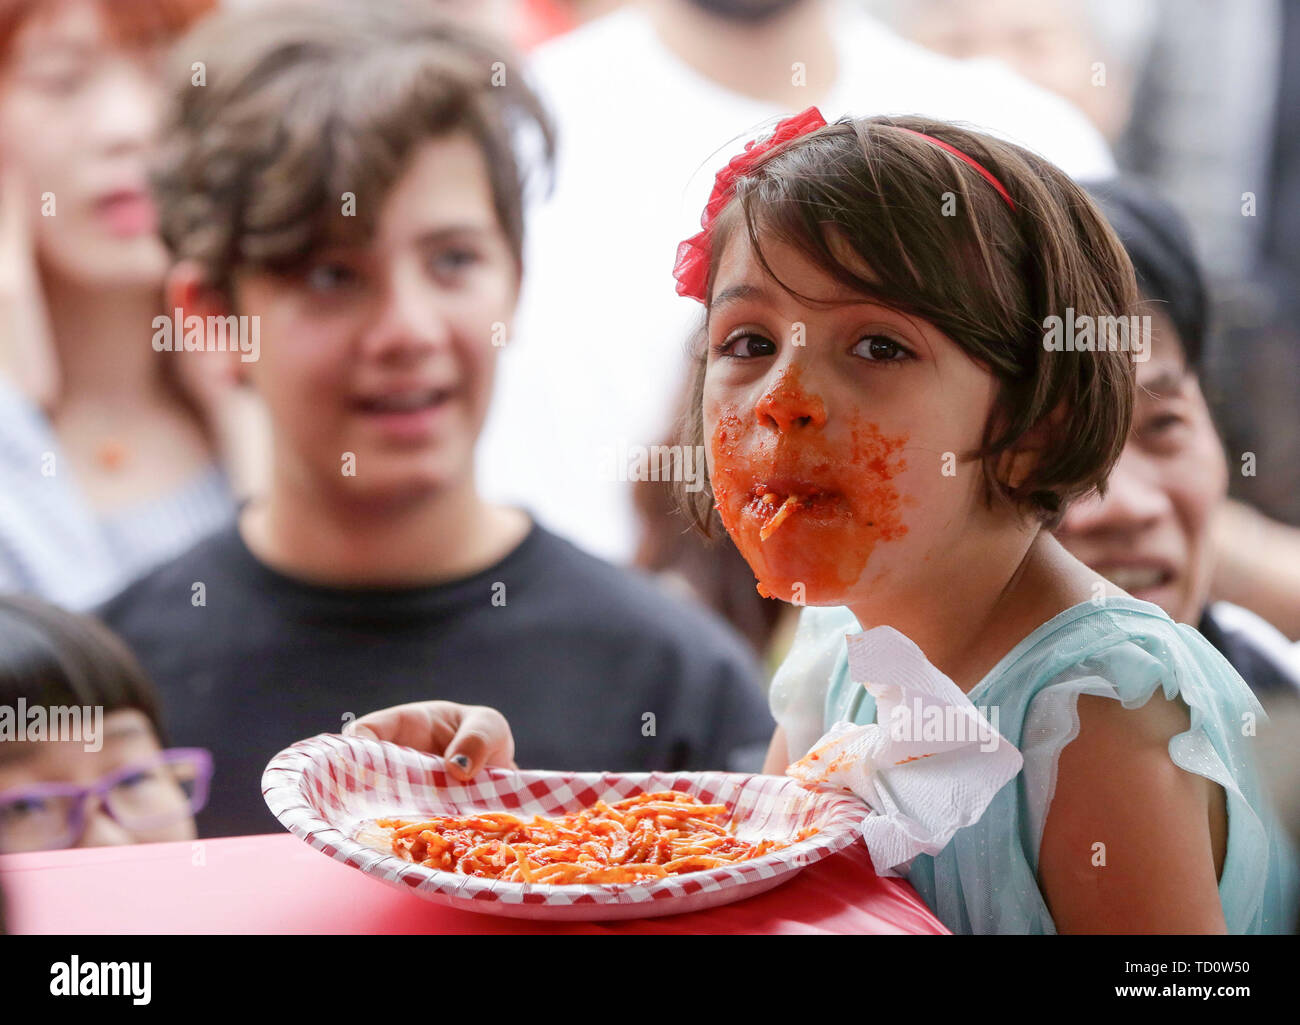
x=845, y=501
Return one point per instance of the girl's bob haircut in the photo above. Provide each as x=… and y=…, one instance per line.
x=943, y=245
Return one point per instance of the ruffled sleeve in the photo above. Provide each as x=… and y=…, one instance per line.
x=798, y=693
x=1259, y=878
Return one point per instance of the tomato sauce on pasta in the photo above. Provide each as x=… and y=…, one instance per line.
x=644, y=837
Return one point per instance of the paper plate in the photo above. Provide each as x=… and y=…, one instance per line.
x=327, y=788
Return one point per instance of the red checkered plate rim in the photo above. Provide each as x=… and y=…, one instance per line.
x=326, y=788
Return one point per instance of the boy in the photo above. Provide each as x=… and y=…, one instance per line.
x=347, y=176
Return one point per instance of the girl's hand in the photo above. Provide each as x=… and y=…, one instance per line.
x=27, y=358
x=467, y=736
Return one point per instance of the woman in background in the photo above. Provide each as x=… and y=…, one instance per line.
x=107, y=461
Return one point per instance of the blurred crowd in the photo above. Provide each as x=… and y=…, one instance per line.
x=183, y=542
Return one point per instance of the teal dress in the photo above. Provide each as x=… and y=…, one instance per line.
x=984, y=880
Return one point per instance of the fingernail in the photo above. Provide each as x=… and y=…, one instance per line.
x=462, y=761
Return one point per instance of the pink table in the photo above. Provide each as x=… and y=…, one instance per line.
x=277, y=884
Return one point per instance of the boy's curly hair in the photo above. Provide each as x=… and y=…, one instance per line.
x=279, y=111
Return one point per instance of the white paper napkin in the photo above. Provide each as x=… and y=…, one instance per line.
x=928, y=766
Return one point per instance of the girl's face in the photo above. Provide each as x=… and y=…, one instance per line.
x=377, y=361
x=78, y=115
x=128, y=741
x=836, y=431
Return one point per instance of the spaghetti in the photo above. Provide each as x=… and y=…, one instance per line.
x=782, y=514
x=645, y=837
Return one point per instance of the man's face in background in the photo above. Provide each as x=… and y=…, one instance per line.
x=1150, y=534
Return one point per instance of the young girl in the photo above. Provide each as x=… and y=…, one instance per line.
x=893, y=427
x=107, y=460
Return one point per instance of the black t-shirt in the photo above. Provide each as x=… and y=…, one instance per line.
x=595, y=667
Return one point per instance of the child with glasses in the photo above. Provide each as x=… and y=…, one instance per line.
x=82, y=763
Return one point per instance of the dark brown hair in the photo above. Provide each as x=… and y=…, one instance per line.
x=305, y=102
x=942, y=244
x=49, y=656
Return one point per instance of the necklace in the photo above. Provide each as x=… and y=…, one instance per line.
x=111, y=455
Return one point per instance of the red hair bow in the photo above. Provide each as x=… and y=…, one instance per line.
x=692, y=267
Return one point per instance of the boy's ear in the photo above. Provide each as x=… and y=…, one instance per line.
x=186, y=289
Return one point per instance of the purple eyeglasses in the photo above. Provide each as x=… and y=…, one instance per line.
x=141, y=797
